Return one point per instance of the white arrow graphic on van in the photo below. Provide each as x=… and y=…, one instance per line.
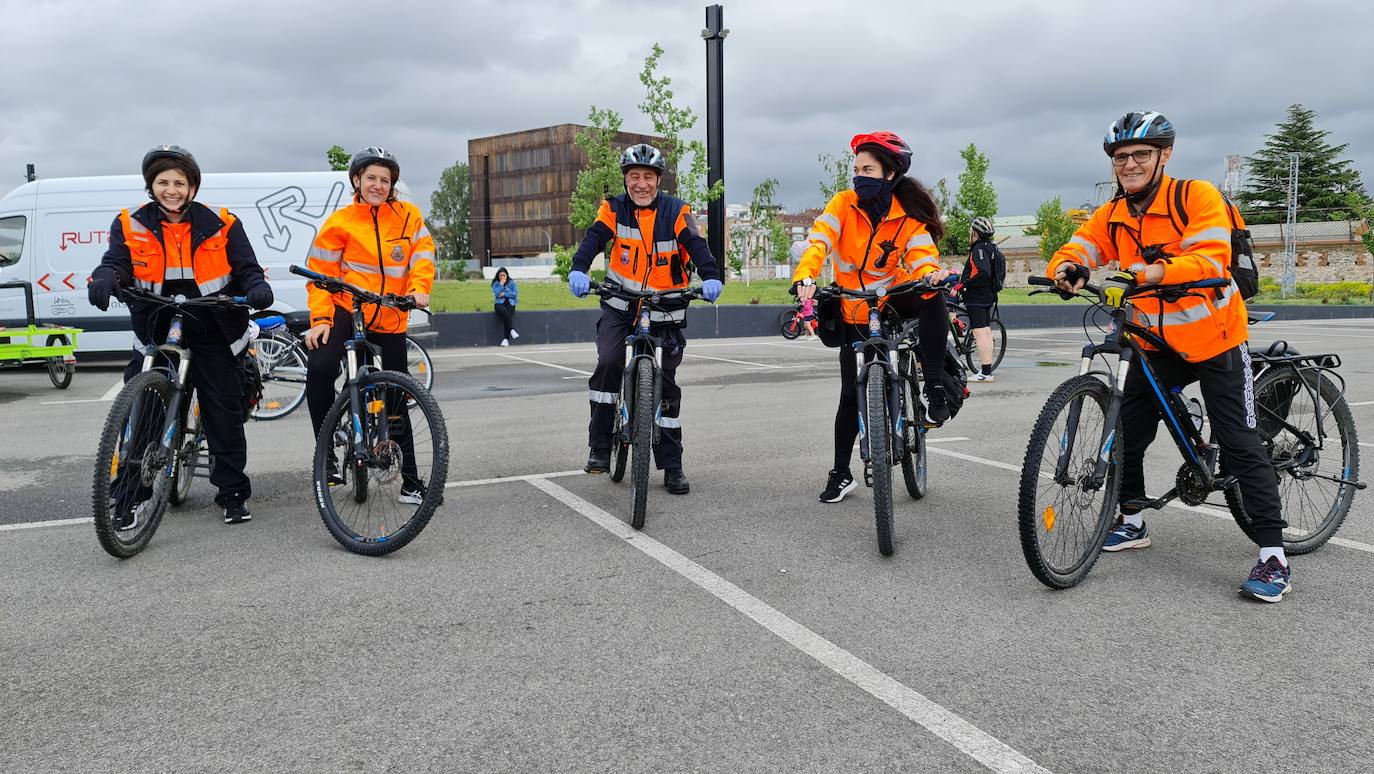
x=289, y=204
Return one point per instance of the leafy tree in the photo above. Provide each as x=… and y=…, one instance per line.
x=1324, y=178
x=670, y=122
x=562, y=261
x=766, y=235
x=1054, y=227
x=449, y=214
x=976, y=197
x=337, y=157
x=601, y=179
x=838, y=173
x=739, y=245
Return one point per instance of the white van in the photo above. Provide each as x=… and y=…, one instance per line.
x=53, y=231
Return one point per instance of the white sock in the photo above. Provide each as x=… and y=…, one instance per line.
x=1265, y=553
x=1135, y=519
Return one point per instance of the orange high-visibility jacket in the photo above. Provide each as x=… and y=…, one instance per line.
x=209, y=263
x=1198, y=326
x=845, y=234
x=384, y=249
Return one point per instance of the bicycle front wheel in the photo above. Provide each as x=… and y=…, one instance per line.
x=393, y=481
x=419, y=364
x=129, y=494
x=281, y=362
x=1308, y=430
x=974, y=358
x=878, y=427
x=791, y=324
x=1063, y=517
x=642, y=446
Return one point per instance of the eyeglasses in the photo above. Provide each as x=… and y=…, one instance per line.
x=1140, y=156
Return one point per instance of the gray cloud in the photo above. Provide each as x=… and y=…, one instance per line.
x=268, y=86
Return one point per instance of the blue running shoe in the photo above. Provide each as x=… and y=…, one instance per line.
x=1124, y=536
x=1268, y=582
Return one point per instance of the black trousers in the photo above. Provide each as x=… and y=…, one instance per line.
x=215, y=375
x=325, y=362
x=506, y=313
x=1228, y=391
x=931, y=335
x=604, y=386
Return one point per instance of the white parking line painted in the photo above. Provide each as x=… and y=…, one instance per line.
x=1361, y=403
x=728, y=360
x=38, y=524
x=950, y=439
x=542, y=363
x=944, y=723
x=1074, y=355
x=528, y=477
x=1340, y=541
x=114, y=390
x=68, y=402
x=1362, y=443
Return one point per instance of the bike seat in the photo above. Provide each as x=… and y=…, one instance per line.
x=270, y=321
x=1259, y=317
x=297, y=322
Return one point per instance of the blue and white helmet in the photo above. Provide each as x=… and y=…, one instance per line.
x=1138, y=126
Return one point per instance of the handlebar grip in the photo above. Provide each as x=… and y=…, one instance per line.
x=304, y=272
x=240, y=299
x=1215, y=282
x=1036, y=279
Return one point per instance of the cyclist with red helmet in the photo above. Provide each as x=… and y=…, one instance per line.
x=881, y=233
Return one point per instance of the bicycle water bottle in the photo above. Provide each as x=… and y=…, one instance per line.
x=1185, y=407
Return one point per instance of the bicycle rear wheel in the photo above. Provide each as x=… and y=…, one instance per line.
x=281, y=362
x=188, y=448
x=790, y=323
x=878, y=427
x=642, y=445
x=999, y=347
x=59, y=370
x=914, y=458
x=1062, y=524
x=129, y=493
x=419, y=364
x=1324, y=444
x=394, y=482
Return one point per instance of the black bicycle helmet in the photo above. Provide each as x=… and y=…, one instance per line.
x=1138, y=126
x=374, y=155
x=186, y=163
x=643, y=155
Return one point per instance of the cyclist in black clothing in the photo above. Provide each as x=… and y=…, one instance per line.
x=980, y=281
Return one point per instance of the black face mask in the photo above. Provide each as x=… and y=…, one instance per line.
x=875, y=195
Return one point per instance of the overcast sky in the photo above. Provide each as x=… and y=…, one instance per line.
x=267, y=86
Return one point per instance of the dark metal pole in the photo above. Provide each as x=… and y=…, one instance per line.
x=714, y=34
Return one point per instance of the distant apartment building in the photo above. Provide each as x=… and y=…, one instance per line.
x=520, y=184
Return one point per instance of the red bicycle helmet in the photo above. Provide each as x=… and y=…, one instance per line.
x=887, y=142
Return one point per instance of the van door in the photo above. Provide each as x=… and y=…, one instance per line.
x=14, y=235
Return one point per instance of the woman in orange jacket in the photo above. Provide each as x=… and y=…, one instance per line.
x=378, y=243
x=879, y=234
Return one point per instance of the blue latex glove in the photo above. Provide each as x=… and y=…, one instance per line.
x=579, y=283
x=711, y=290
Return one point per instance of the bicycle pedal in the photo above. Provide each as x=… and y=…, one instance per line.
x=868, y=475
x=1223, y=482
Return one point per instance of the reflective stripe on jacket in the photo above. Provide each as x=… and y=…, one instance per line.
x=384, y=249
x=148, y=256
x=1199, y=326
x=900, y=249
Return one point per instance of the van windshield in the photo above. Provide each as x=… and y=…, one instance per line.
x=11, y=239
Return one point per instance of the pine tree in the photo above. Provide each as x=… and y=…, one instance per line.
x=1324, y=178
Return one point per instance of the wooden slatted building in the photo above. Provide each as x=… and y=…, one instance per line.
x=520, y=184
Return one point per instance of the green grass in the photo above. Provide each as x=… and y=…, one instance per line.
x=475, y=296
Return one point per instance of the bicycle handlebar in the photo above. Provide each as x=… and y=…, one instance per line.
x=906, y=287
x=652, y=296
x=1096, y=291
x=336, y=285
x=126, y=295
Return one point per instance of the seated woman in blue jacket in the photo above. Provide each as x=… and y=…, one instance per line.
x=506, y=294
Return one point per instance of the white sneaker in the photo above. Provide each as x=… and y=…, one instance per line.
x=514, y=334
x=505, y=342
x=981, y=377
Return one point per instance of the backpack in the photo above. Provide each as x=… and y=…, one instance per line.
x=999, y=270
x=250, y=376
x=955, y=381
x=1244, y=271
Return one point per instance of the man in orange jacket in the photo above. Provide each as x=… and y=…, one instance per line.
x=378, y=243
x=1165, y=231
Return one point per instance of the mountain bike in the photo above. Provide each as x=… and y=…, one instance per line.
x=382, y=445
x=892, y=416
x=141, y=448
x=1070, y=478
x=964, y=342
x=283, y=359
x=639, y=404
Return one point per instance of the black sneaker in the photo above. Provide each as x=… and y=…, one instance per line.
x=236, y=512
x=676, y=481
x=840, y=484
x=936, y=407
x=599, y=461
x=332, y=476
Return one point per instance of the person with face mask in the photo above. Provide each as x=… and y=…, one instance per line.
x=881, y=233
x=652, y=238
x=379, y=243
x=1142, y=232
x=172, y=246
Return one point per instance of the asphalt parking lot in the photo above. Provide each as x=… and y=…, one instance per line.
x=747, y=628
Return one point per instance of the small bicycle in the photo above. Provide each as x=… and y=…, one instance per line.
x=639, y=404
x=1070, y=478
x=381, y=456
x=892, y=416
